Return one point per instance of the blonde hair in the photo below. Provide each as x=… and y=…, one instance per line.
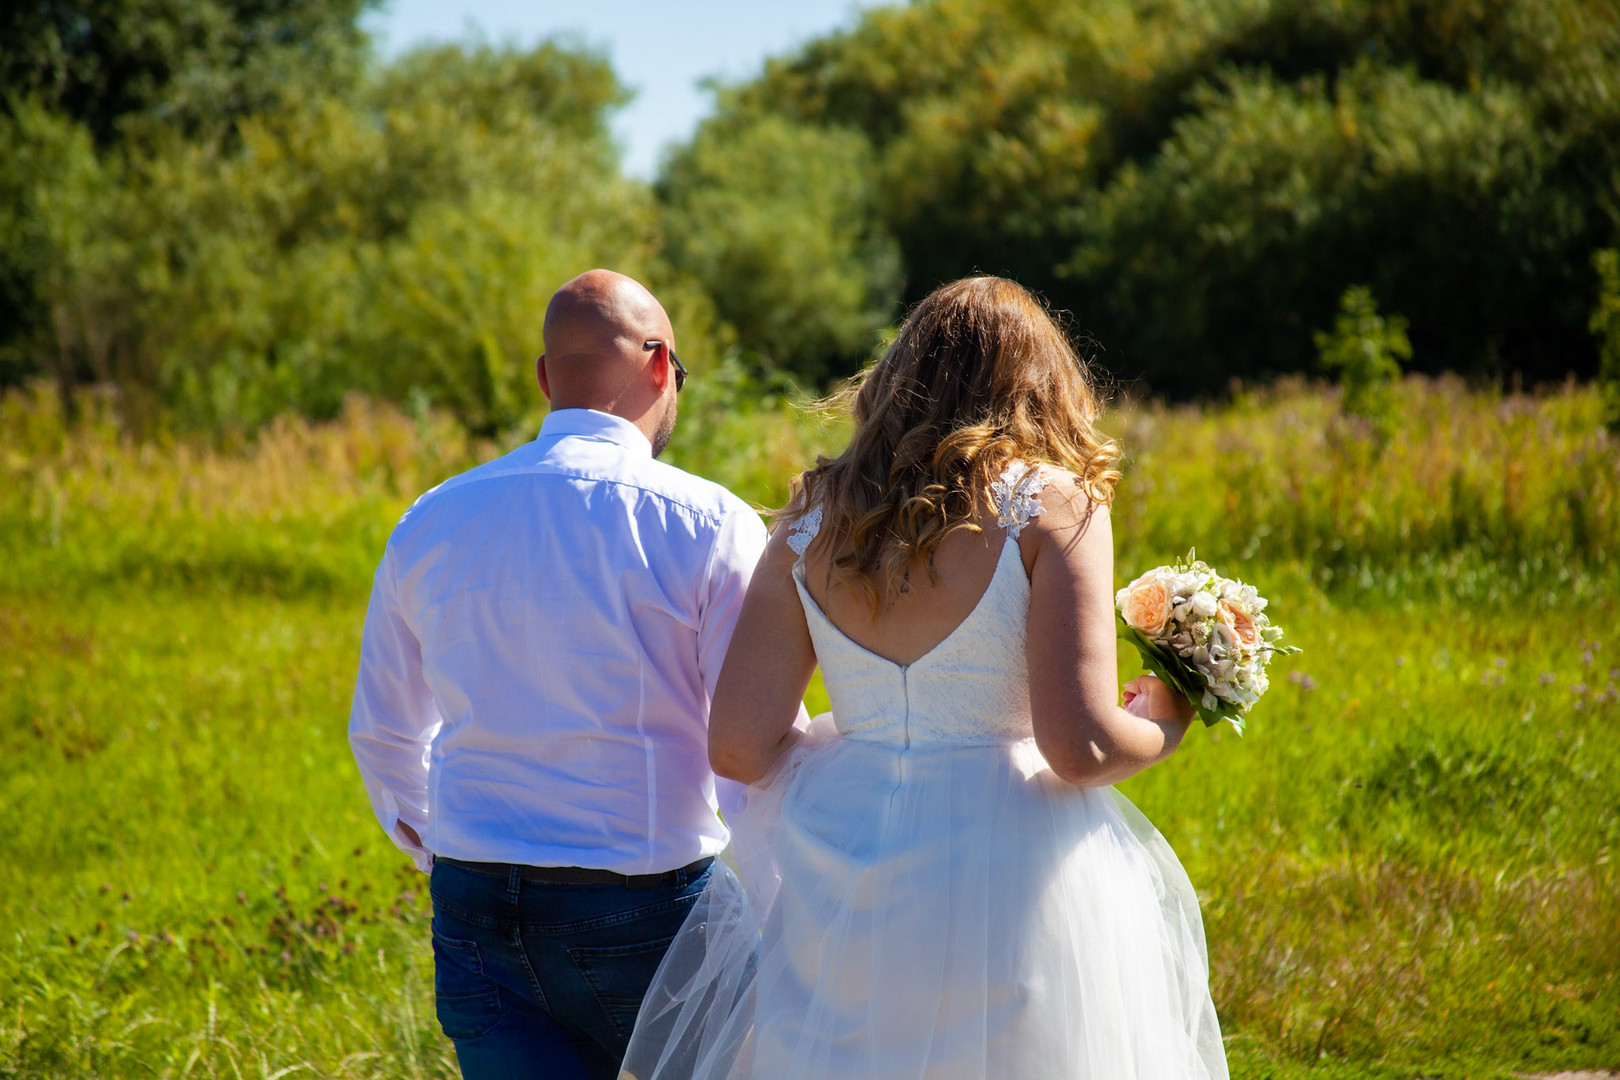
x=979, y=375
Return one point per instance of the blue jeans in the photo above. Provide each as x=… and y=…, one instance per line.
x=541, y=980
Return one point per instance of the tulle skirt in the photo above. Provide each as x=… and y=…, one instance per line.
x=938, y=912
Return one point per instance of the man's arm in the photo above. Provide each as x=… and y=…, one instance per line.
x=737, y=548
x=737, y=552
x=394, y=719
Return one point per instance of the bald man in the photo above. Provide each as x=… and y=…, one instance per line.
x=531, y=712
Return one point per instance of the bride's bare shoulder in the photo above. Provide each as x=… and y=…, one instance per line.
x=1067, y=508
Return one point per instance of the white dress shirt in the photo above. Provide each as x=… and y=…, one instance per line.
x=543, y=640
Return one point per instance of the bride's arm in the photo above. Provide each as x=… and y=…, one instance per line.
x=1074, y=692
x=767, y=668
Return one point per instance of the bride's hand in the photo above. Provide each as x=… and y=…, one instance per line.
x=1146, y=696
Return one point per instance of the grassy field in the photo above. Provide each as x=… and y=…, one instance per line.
x=1407, y=866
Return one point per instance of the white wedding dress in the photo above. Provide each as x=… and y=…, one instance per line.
x=917, y=895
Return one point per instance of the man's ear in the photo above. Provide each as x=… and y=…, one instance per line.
x=661, y=373
x=540, y=376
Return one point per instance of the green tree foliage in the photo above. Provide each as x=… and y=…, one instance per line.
x=67, y=264
x=400, y=239
x=197, y=64
x=778, y=223
x=1197, y=178
x=220, y=208
x=403, y=245
x=134, y=71
x=1213, y=257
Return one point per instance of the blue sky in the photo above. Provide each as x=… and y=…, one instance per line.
x=660, y=48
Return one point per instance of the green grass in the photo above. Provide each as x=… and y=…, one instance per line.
x=1407, y=866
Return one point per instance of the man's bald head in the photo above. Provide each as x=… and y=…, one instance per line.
x=596, y=330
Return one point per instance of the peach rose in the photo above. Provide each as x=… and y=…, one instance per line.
x=1145, y=604
x=1245, y=631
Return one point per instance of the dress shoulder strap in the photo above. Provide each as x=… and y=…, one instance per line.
x=1016, y=497
x=804, y=530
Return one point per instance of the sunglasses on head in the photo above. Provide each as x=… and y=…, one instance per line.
x=674, y=362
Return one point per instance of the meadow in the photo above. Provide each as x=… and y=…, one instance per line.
x=1407, y=865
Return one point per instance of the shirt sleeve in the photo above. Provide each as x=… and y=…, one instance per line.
x=394, y=718
x=737, y=551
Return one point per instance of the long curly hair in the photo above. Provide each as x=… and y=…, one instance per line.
x=978, y=375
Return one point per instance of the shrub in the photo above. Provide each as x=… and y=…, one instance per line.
x=1365, y=351
x=1606, y=325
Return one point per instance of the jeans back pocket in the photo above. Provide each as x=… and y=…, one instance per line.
x=619, y=975
x=468, y=1002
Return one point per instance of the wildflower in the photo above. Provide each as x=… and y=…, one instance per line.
x=1578, y=688
x=1547, y=677
x=1500, y=661
x=1586, y=657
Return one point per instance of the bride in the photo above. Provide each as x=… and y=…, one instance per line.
x=937, y=881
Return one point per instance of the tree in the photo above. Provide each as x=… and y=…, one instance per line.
x=1195, y=179
x=778, y=223
x=195, y=65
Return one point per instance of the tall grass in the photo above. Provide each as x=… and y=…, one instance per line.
x=1406, y=866
x=1478, y=495
x=1475, y=496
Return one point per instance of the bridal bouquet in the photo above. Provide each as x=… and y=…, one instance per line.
x=1204, y=635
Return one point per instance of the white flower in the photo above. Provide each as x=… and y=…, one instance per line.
x=1188, y=582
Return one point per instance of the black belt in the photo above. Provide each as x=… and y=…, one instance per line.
x=581, y=875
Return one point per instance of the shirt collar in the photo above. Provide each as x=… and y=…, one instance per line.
x=591, y=424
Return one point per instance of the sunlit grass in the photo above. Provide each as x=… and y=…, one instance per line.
x=1406, y=866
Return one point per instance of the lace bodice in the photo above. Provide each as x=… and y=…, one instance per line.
x=970, y=688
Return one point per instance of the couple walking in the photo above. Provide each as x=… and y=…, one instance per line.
x=935, y=881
